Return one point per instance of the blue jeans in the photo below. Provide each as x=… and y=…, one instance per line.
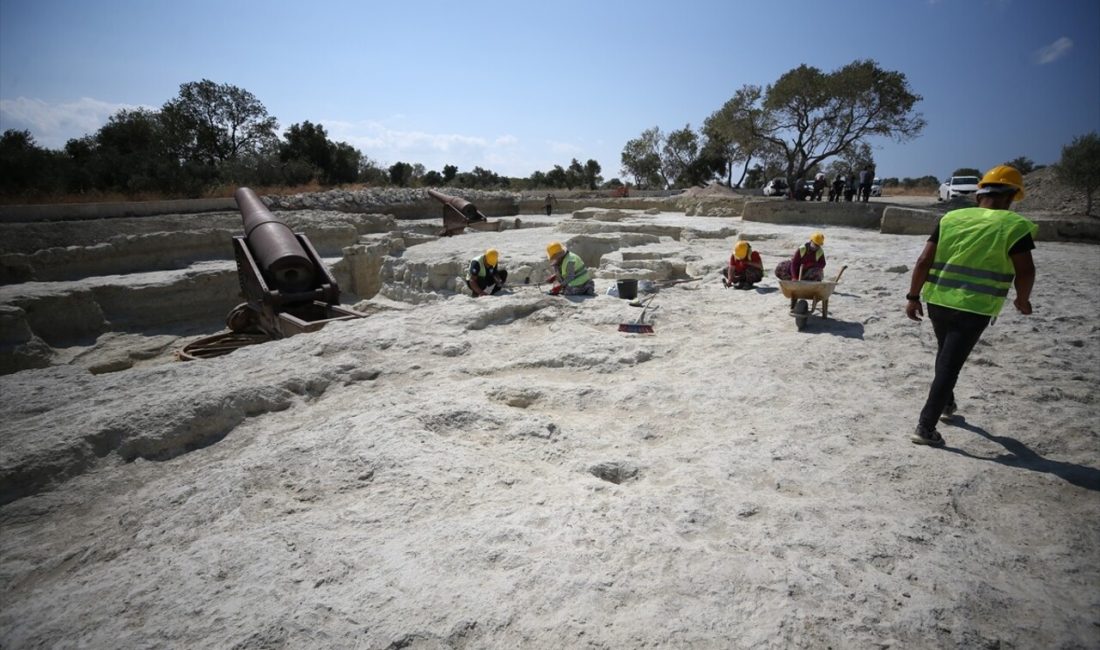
x=957, y=332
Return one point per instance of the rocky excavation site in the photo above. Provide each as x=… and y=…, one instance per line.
x=515, y=471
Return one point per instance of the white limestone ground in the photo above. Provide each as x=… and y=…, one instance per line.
x=514, y=472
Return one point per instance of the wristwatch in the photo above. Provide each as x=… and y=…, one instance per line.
x=912, y=296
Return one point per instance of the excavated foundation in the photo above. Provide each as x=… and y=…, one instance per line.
x=109, y=294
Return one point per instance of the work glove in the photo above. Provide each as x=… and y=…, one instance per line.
x=555, y=290
x=550, y=279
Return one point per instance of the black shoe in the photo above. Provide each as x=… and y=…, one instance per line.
x=923, y=436
x=949, y=412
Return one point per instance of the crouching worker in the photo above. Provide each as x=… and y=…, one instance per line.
x=484, y=276
x=745, y=269
x=571, y=276
x=807, y=263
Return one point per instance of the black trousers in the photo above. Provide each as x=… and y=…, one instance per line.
x=495, y=280
x=957, y=332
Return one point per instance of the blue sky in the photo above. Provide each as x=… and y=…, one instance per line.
x=520, y=86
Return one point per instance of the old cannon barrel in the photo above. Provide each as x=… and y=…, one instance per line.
x=275, y=247
x=462, y=205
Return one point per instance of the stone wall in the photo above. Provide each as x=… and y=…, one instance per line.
x=781, y=211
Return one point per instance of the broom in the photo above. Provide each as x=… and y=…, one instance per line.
x=639, y=326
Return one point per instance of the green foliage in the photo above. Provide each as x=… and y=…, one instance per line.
x=808, y=116
x=480, y=178
x=729, y=133
x=433, y=179
x=966, y=171
x=1079, y=166
x=592, y=178
x=449, y=173
x=400, y=174
x=215, y=123
x=641, y=158
x=26, y=168
x=1023, y=163
x=754, y=177
x=679, y=152
x=924, y=182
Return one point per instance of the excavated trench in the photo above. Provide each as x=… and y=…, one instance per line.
x=110, y=294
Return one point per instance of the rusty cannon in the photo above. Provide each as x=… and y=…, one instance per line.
x=459, y=214
x=287, y=289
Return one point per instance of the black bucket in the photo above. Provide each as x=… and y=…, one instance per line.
x=628, y=289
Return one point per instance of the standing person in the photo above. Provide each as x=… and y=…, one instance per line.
x=807, y=263
x=865, y=178
x=745, y=268
x=965, y=270
x=837, y=189
x=850, y=187
x=549, y=203
x=484, y=276
x=819, y=187
x=570, y=274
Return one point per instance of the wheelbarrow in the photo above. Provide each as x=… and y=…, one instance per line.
x=800, y=292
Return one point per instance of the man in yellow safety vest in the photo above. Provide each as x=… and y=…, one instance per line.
x=965, y=270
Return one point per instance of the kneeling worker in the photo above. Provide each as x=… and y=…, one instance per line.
x=570, y=273
x=484, y=276
x=745, y=269
x=807, y=263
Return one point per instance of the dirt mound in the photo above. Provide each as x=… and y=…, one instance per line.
x=1045, y=193
x=714, y=189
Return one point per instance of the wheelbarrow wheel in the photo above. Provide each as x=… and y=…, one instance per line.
x=801, y=314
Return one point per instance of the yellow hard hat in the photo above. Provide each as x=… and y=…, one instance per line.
x=553, y=249
x=741, y=250
x=818, y=238
x=491, y=257
x=1003, y=175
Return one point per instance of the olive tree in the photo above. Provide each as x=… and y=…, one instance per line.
x=1080, y=166
x=808, y=116
x=641, y=158
x=214, y=123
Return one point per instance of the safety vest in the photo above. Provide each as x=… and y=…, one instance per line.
x=818, y=254
x=572, y=264
x=482, y=266
x=972, y=271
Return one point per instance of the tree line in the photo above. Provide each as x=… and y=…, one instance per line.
x=809, y=121
x=213, y=135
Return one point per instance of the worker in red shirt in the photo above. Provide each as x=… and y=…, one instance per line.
x=745, y=268
x=807, y=263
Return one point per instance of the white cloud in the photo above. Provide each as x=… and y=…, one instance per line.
x=386, y=145
x=52, y=125
x=1054, y=51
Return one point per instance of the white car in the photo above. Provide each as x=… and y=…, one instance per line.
x=876, y=187
x=957, y=186
x=775, y=187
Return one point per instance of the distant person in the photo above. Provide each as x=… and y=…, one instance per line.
x=850, y=187
x=549, y=203
x=837, y=189
x=807, y=263
x=865, y=178
x=571, y=277
x=484, y=277
x=745, y=268
x=964, y=273
x=819, y=187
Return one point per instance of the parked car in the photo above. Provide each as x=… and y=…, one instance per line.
x=876, y=187
x=775, y=187
x=957, y=186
